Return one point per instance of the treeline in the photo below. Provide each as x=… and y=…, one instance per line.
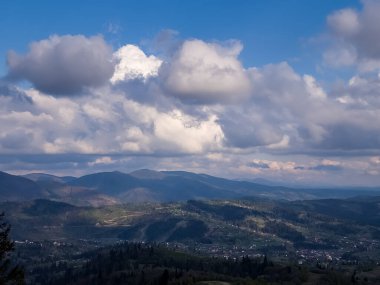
x=226, y=212
x=283, y=231
x=137, y=263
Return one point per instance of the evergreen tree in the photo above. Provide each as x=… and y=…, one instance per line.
x=164, y=279
x=9, y=274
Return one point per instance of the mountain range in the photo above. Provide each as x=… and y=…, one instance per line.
x=108, y=188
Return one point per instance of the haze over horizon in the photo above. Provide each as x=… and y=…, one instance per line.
x=234, y=89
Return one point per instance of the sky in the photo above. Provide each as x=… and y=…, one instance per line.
x=282, y=90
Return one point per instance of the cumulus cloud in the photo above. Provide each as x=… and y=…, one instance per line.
x=133, y=63
x=16, y=139
x=109, y=123
x=344, y=23
x=64, y=65
x=178, y=108
x=349, y=135
x=247, y=128
x=206, y=73
x=287, y=113
x=187, y=133
x=356, y=109
x=313, y=88
x=292, y=113
x=360, y=92
x=357, y=37
x=340, y=56
x=13, y=98
x=283, y=104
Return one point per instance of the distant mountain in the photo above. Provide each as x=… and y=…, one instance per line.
x=165, y=186
x=147, y=174
x=45, y=186
x=238, y=187
x=148, y=185
x=16, y=188
x=48, y=182
x=267, y=182
x=110, y=183
x=48, y=177
x=289, y=184
x=108, y=188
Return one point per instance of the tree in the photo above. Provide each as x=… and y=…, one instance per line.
x=164, y=279
x=9, y=274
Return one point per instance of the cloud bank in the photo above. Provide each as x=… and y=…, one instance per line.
x=197, y=108
x=356, y=37
x=64, y=65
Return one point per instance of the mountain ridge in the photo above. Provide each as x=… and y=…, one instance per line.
x=16, y=188
x=145, y=185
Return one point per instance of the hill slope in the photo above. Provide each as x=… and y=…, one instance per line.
x=16, y=188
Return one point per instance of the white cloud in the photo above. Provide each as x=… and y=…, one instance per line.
x=375, y=160
x=133, y=63
x=109, y=123
x=187, y=133
x=205, y=73
x=344, y=22
x=284, y=143
x=69, y=145
x=284, y=106
x=313, y=88
x=102, y=160
x=330, y=162
x=356, y=37
x=286, y=112
x=257, y=166
x=360, y=92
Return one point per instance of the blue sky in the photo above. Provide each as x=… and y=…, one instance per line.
x=285, y=90
x=271, y=31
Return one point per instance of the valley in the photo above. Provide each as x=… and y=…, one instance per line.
x=302, y=231
x=188, y=215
